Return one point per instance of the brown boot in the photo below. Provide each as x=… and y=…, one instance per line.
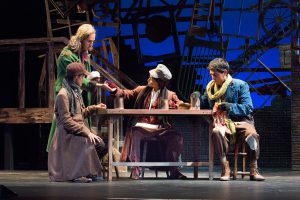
x=225, y=176
x=254, y=173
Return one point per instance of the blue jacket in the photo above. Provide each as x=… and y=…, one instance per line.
x=238, y=95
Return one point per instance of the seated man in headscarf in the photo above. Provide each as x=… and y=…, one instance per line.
x=153, y=96
x=232, y=112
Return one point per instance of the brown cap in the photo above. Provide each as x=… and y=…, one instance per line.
x=75, y=69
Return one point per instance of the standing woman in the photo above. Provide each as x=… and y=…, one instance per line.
x=75, y=152
x=77, y=50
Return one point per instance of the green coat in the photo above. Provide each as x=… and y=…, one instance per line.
x=66, y=57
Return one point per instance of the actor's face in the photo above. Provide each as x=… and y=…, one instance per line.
x=218, y=77
x=96, y=79
x=78, y=79
x=153, y=83
x=87, y=44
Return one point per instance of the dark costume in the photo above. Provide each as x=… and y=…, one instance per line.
x=172, y=140
x=66, y=57
x=72, y=154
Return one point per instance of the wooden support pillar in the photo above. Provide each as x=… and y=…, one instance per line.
x=51, y=75
x=21, y=84
x=8, y=148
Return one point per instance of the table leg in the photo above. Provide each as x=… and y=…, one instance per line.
x=195, y=145
x=110, y=147
x=210, y=157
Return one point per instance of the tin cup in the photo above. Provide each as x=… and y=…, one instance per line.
x=195, y=101
x=119, y=103
x=165, y=104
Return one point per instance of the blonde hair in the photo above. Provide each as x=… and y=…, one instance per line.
x=83, y=32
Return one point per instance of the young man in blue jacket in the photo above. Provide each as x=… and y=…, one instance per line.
x=232, y=112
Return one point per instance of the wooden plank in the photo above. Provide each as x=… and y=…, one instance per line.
x=21, y=83
x=33, y=41
x=118, y=111
x=51, y=75
x=156, y=164
x=26, y=115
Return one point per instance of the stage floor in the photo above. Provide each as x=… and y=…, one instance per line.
x=35, y=185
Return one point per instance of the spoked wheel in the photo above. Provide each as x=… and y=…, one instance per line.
x=278, y=17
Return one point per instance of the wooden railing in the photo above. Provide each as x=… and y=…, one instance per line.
x=49, y=48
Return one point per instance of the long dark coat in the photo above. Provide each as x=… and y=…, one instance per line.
x=72, y=154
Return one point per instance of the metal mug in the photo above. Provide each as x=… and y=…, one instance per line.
x=195, y=101
x=119, y=102
x=165, y=104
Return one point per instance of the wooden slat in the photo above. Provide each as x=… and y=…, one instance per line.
x=33, y=40
x=154, y=112
x=154, y=164
x=25, y=115
x=21, y=84
x=51, y=75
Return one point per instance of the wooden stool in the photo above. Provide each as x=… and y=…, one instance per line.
x=239, y=150
x=145, y=141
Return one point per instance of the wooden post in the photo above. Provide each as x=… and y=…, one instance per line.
x=8, y=148
x=21, y=85
x=51, y=78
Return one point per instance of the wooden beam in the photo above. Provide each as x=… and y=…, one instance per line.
x=33, y=41
x=51, y=74
x=26, y=115
x=21, y=83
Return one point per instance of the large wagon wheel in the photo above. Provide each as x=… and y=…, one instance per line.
x=277, y=17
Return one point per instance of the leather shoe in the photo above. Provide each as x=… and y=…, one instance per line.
x=82, y=180
x=176, y=174
x=96, y=178
x=225, y=176
x=255, y=176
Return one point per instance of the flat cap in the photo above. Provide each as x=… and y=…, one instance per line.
x=161, y=72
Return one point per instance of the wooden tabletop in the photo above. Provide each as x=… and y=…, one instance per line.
x=118, y=111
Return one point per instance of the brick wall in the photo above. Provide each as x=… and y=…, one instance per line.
x=274, y=126
x=295, y=138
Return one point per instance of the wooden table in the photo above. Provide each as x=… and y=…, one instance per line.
x=115, y=114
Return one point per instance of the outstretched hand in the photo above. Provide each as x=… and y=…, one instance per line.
x=101, y=106
x=111, y=84
x=107, y=86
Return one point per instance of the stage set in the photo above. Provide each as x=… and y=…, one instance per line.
x=260, y=39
